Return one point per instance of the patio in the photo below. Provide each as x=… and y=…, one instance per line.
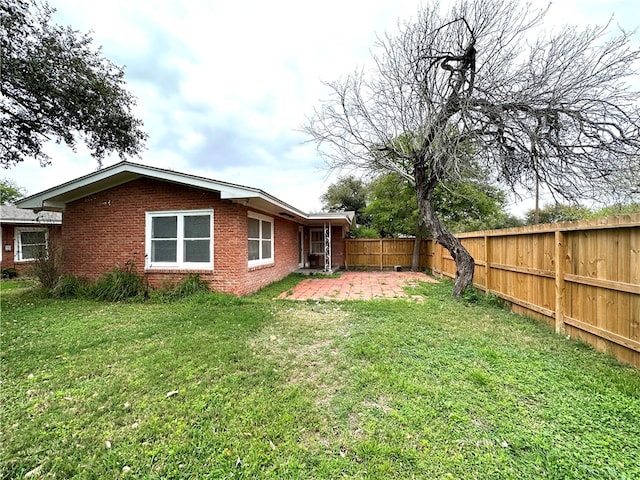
x=356, y=286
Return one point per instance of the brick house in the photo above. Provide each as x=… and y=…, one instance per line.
x=24, y=234
x=168, y=224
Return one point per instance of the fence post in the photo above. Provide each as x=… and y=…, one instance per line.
x=487, y=263
x=560, y=255
x=436, y=260
x=346, y=253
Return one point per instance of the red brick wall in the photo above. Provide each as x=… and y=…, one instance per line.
x=107, y=229
x=8, y=238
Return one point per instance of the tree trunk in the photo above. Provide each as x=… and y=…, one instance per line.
x=465, y=265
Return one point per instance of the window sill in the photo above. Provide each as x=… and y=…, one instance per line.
x=253, y=268
x=178, y=270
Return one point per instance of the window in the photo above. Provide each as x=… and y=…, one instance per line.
x=30, y=243
x=317, y=242
x=180, y=239
x=260, y=233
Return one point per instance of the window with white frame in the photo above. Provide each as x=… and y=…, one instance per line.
x=179, y=239
x=260, y=235
x=317, y=242
x=30, y=243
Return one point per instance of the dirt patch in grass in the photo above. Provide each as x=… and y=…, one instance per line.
x=304, y=341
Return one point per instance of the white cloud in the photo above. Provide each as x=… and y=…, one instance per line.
x=223, y=85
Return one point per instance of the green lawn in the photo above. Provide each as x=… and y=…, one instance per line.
x=276, y=389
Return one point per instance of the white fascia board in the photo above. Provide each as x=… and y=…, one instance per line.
x=29, y=203
x=53, y=206
x=230, y=193
x=36, y=202
x=31, y=221
x=43, y=200
x=328, y=216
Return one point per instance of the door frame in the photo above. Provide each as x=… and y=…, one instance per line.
x=301, y=247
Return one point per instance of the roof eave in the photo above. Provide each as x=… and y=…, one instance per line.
x=56, y=198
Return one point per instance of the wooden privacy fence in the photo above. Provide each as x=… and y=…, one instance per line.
x=583, y=277
x=385, y=253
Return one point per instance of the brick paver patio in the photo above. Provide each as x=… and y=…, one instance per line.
x=356, y=286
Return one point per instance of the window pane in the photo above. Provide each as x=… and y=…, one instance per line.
x=317, y=241
x=266, y=230
x=32, y=238
x=31, y=252
x=196, y=250
x=163, y=250
x=266, y=249
x=164, y=227
x=197, y=226
x=254, y=249
x=254, y=228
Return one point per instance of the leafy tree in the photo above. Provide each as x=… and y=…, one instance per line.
x=10, y=192
x=472, y=204
x=618, y=209
x=55, y=85
x=392, y=207
x=464, y=206
x=363, y=231
x=558, y=213
x=347, y=194
x=538, y=108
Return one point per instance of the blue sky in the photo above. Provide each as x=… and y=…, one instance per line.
x=223, y=86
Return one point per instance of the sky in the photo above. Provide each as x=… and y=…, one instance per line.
x=223, y=87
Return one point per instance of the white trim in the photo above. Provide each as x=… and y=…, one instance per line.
x=17, y=243
x=261, y=261
x=301, y=259
x=178, y=265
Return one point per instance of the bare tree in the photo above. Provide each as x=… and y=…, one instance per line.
x=537, y=108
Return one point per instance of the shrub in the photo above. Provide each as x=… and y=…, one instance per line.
x=69, y=286
x=46, y=267
x=119, y=284
x=190, y=285
x=9, y=273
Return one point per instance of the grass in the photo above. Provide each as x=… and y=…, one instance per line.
x=280, y=389
x=6, y=285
